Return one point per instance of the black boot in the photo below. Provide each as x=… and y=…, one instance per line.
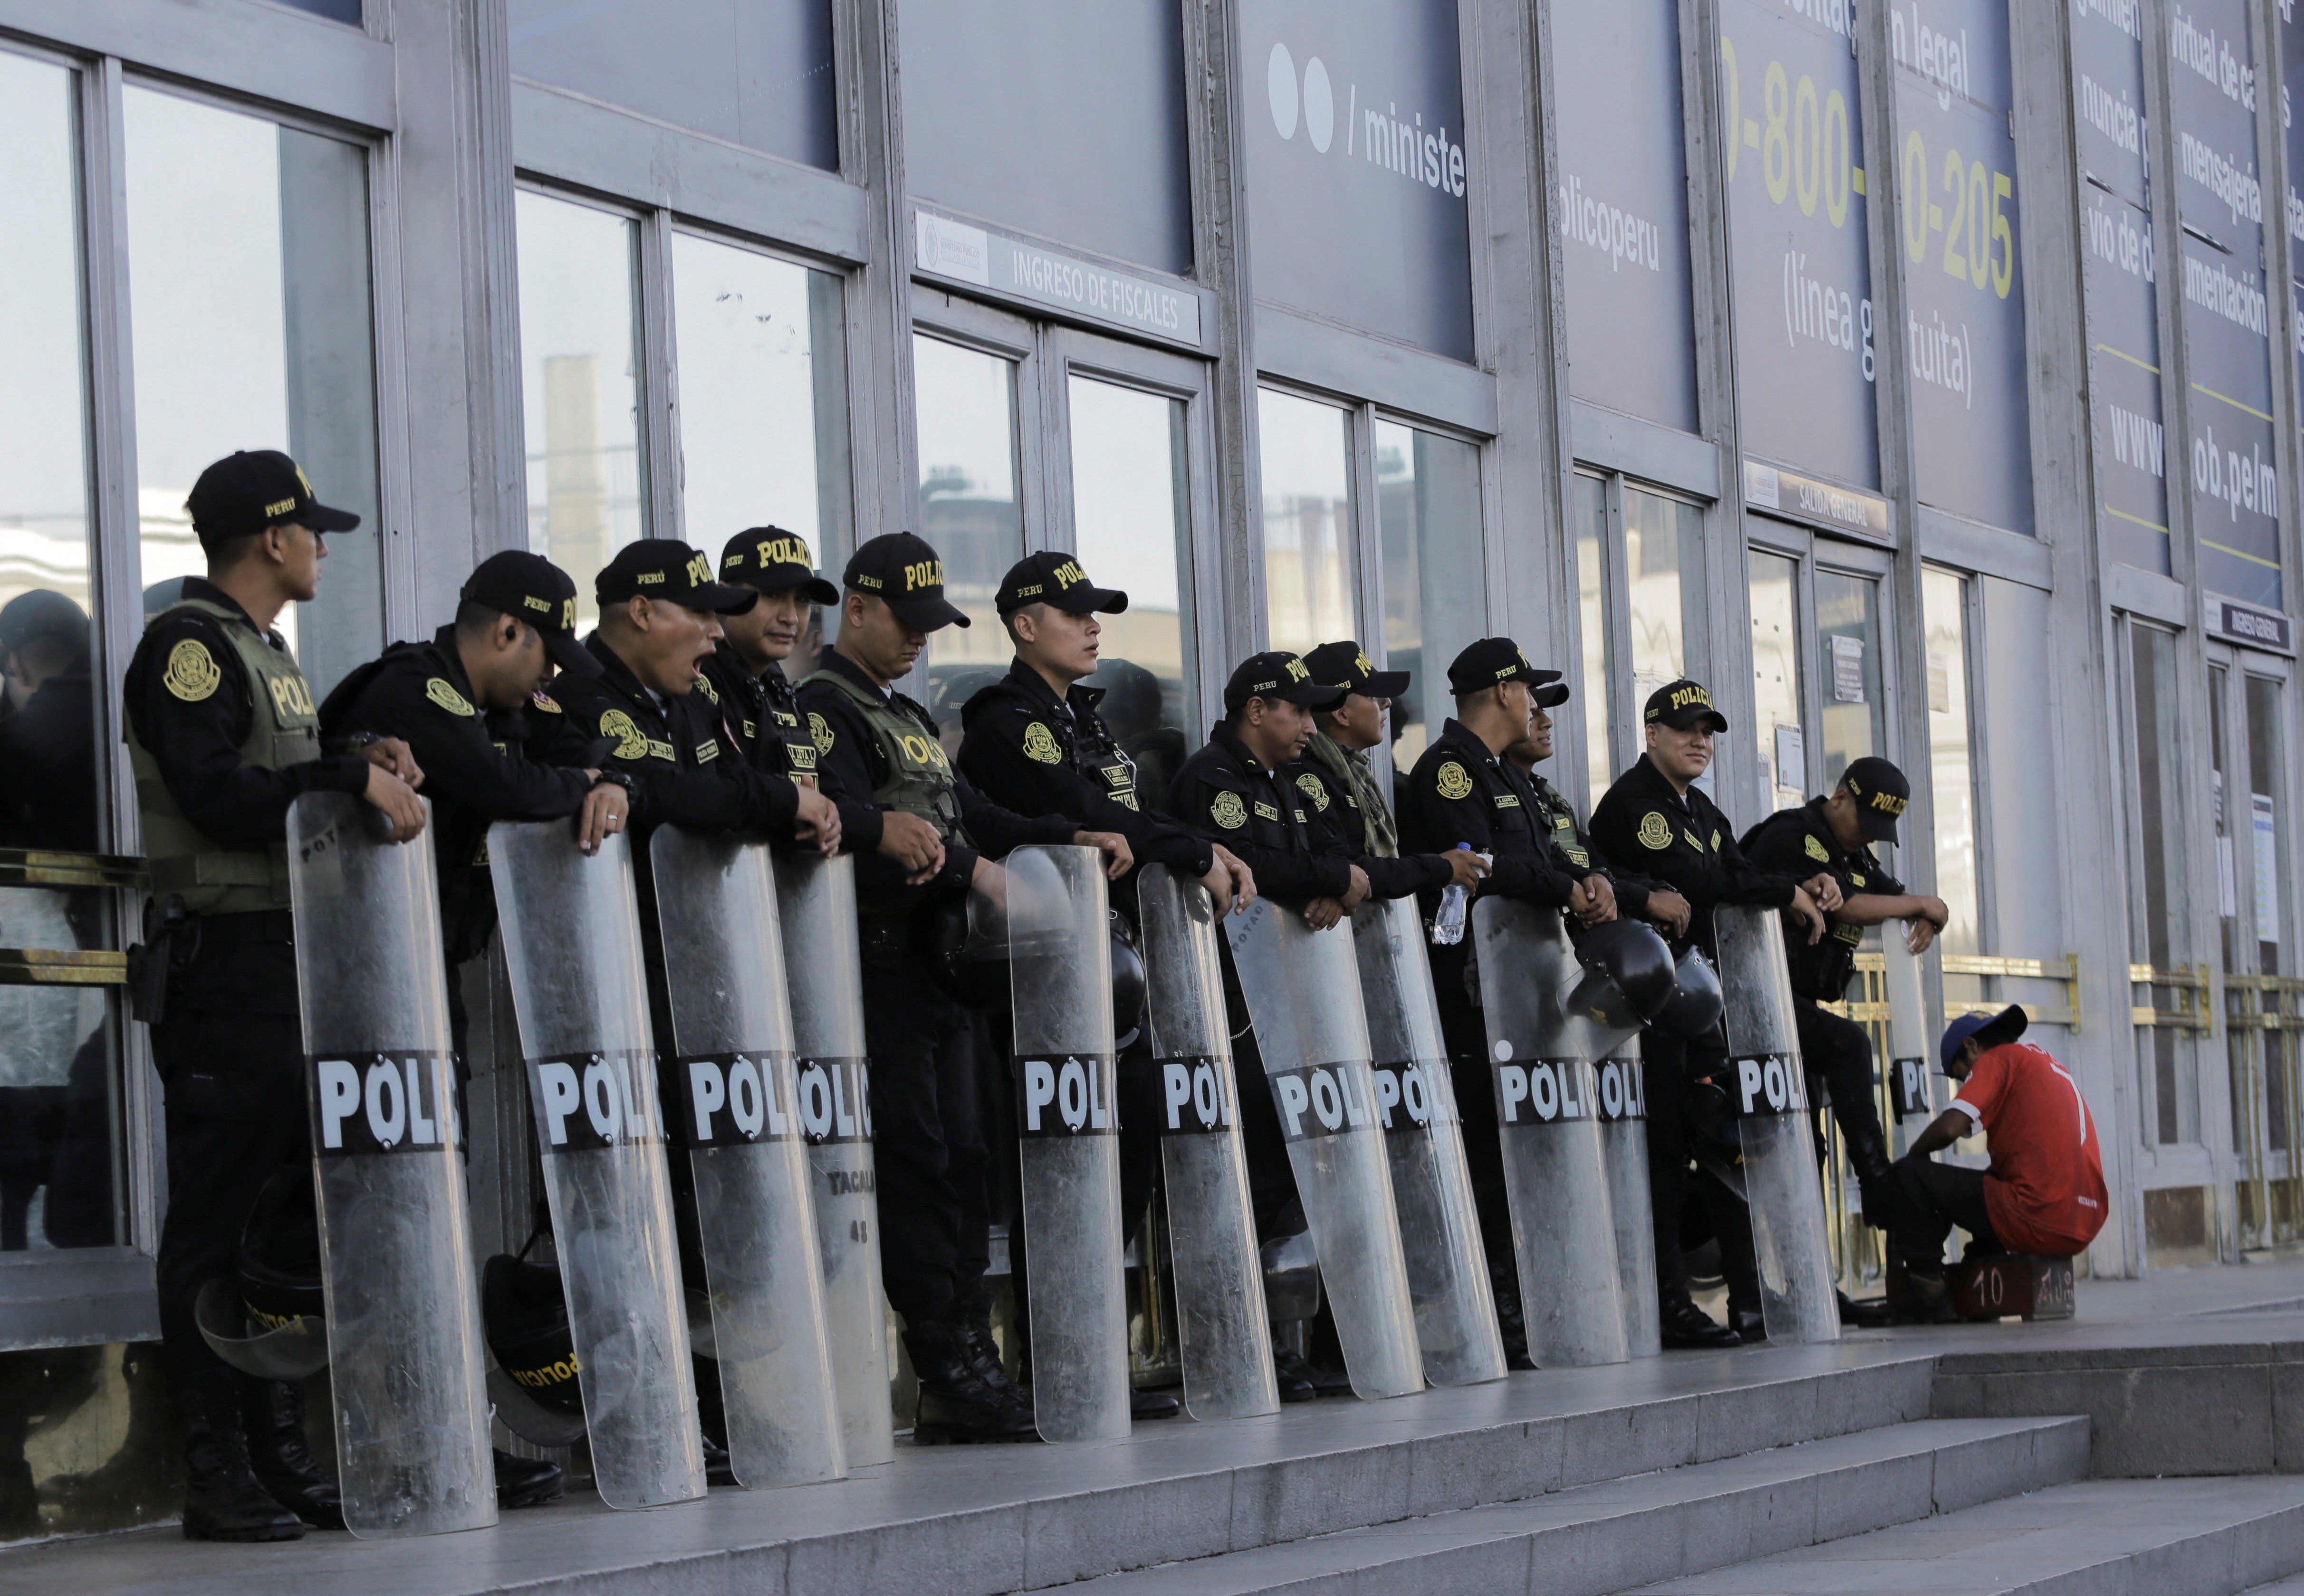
x=957, y=1403
x=1924, y=1299
x=1511, y=1322
x=1291, y=1374
x=1875, y=1178
x=1686, y=1326
x=271, y=1418
x=526, y=1482
x=1871, y=1314
x=1152, y=1405
x=983, y=1350
x=221, y=1499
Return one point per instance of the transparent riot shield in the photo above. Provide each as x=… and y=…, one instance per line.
x=1910, y=1050
x=571, y=941
x=815, y=902
x=1302, y=988
x=1556, y=1179
x=408, y=1373
x=1619, y=1088
x=1431, y=1188
x=1768, y=1090
x=733, y=1102
x=1068, y=1124
x=1220, y=1314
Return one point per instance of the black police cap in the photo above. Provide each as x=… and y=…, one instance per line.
x=1880, y=789
x=1681, y=705
x=908, y=573
x=1278, y=674
x=1052, y=577
x=42, y=615
x=246, y=492
x=771, y=560
x=667, y=568
x=1494, y=660
x=529, y=588
x=1347, y=665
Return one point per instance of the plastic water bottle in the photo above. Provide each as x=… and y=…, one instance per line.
x=1448, y=924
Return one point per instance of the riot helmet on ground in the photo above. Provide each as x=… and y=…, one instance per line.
x=269, y=1318
x=526, y=1317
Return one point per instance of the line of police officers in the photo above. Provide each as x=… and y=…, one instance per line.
x=676, y=710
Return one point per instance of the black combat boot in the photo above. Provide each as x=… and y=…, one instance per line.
x=1924, y=1299
x=526, y=1482
x=1511, y=1322
x=221, y=1499
x=1290, y=1372
x=957, y=1403
x=1686, y=1326
x=1875, y=1178
x=983, y=1353
x=271, y=1418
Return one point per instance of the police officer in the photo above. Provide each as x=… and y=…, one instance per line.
x=1835, y=835
x=927, y=1135
x=745, y=676
x=1464, y=792
x=1658, y=821
x=1336, y=775
x=1240, y=789
x=224, y=736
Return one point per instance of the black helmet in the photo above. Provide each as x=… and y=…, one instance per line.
x=269, y=1318
x=1127, y=982
x=526, y=1317
x=1694, y=1007
x=968, y=965
x=1626, y=977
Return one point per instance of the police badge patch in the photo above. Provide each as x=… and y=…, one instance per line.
x=1656, y=831
x=1038, y=744
x=192, y=674
x=1314, y=789
x=630, y=743
x=1452, y=782
x=1227, y=810
x=1815, y=850
x=819, y=733
x=447, y=697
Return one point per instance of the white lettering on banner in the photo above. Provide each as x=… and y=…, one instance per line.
x=1932, y=52
x=2117, y=240
x=1824, y=314
x=2113, y=115
x=1384, y=139
x=2137, y=442
x=943, y=248
x=2202, y=51
x=2214, y=287
x=2229, y=180
x=2247, y=482
x=1839, y=15
x=2123, y=14
x=1940, y=356
x=1618, y=234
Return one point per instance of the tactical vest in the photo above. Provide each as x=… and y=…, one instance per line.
x=283, y=729
x=1560, y=821
x=1088, y=751
x=920, y=779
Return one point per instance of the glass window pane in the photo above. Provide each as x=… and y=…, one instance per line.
x=1306, y=450
x=763, y=395
x=754, y=72
x=1847, y=632
x=1588, y=512
x=58, y=1054
x=1132, y=520
x=1435, y=602
x=335, y=11
x=249, y=334
x=2268, y=888
x=579, y=386
x=1951, y=768
x=2171, y=1085
x=1661, y=538
x=1777, y=678
x=966, y=417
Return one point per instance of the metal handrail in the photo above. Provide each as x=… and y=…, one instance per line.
x=2193, y=1011
x=45, y=867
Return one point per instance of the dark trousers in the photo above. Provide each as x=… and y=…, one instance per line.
x=1669, y=1064
x=927, y=1146
x=1465, y=1031
x=1837, y=1052
x=1937, y=1197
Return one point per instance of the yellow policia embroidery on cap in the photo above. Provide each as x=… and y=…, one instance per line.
x=1656, y=831
x=192, y=674
x=1040, y=744
x=1227, y=810
x=1318, y=793
x=630, y=742
x=819, y=733
x=1451, y=782
x=446, y=697
x=1815, y=850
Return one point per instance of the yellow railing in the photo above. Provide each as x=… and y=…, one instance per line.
x=2187, y=988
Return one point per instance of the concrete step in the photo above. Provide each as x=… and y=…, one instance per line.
x=2188, y=1537
x=1602, y=1538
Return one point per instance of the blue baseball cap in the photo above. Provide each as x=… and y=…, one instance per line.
x=2012, y=1017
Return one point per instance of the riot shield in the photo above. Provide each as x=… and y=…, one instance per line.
x=1540, y=1068
x=733, y=1102
x=1431, y=1188
x=1302, y=988
x=571, y=940
x=1768, y=1090
x=1068, y=1124
x=1620, y=1088
x=1220, y=1314
x=815, y=904
x=395, y=1230
x=1908, y=1047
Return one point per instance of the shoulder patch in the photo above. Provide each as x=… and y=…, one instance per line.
x=1817, y=850
x=710, y=691
x=1451, y=782
x=630, y=742
x=1227, y=810
x=819, y=733
x=1040, y=744
x=1314, y=789
x=447, y=697
x=192, y=672
x=545, y=702
x=1656, y=831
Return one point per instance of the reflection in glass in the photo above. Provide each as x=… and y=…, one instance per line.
x=57, y=1056
x=1428, y=489
x=579, y=386
x=1847, y=632
x=1587, y=513
x=253, y=334
x=1306, y=453
x=1131, y=517
x=1777, y=678
x=763, y=395
x=2267, y=891
x=1663, y=540
x=1950, y=768
x=2171, y=1082
x=965, y=406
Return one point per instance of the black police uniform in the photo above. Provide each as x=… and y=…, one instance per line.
x=1556, y=818
x=760, y=714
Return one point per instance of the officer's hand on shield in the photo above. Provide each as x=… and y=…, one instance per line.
x=1594, y=899
x=1804, y=909
x=607, y=807
x=1321, y=913
x=1825, y=888
x=818, y=819
x=1356, y=893
x=1669, y=910
x=1921, y=930
x=391, y=754
x=1465, y=868
x=913, y=843
x=991, y=881
x=1229, y=881
x=398, y=800
x=1119, y=859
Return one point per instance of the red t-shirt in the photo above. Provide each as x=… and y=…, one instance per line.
x=2045, y=1191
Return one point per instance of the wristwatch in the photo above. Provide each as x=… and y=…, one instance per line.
x=623, y=779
